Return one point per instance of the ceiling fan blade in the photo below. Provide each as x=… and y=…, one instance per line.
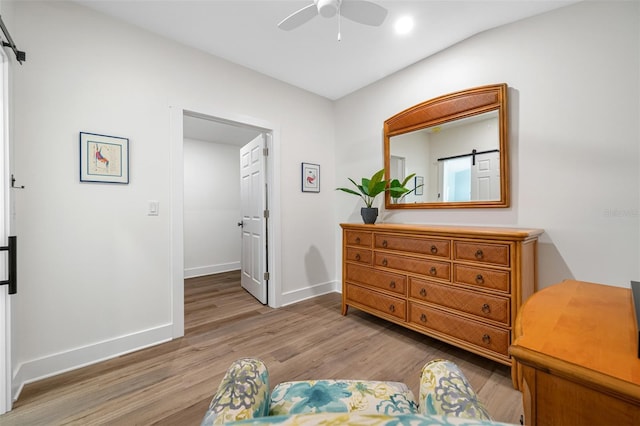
x=298, y=18
x=363, y=12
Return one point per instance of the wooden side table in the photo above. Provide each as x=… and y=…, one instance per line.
x=576, y=356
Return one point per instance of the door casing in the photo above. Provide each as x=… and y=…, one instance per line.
x=6, y=368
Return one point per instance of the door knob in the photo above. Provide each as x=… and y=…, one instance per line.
x=241, y=224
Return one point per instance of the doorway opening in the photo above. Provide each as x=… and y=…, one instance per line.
x=195, y=133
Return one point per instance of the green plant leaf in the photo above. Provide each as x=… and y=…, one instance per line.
x=398, y=191
x=366, y=186
x=406, y=180
x=378, y=188
x=350, y=191
x=370, y=187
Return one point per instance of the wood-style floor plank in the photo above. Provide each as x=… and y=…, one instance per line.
x=172, y=383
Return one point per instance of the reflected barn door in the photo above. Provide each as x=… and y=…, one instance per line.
x=485, y=177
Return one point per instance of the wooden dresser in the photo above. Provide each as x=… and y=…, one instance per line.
x=576, y=353
x=462, y=285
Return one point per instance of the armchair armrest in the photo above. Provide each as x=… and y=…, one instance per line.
x=444, y=390
x=243, y=393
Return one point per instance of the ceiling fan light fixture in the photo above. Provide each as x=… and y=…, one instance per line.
x=404, y=25
x=328, y=8
x=360, y=11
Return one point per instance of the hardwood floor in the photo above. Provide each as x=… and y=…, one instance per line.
x=172, y=383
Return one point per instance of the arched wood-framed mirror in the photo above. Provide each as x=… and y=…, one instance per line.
x=457, y=147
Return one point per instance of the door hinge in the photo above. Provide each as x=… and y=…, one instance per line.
x=266, y=276
x=265, y=152
x=266, y=214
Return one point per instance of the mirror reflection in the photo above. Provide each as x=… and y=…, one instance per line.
x=457, y=161
x=456, y=148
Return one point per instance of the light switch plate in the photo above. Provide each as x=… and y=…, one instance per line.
x=153, y=208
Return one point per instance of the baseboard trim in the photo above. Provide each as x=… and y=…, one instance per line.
x=38, y=369
x=309, y=292
x=201, y=271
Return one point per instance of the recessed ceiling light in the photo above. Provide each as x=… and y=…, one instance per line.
x=404, y=25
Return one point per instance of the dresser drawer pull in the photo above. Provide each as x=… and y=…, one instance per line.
x=479, y=254
x=479, y=279
x=392, y=308
x=358, y=256
x=433, y=270
x=423, y=292
x=486, y=339
x=357, y=240
x=384, y=262
x=384, y=243
x=486, y=308
x=434, y=249
x=392, y=284
x=423, y=317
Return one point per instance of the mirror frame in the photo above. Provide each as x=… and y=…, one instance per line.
x=443, y=109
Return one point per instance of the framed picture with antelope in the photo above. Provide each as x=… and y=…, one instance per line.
x=104, y=158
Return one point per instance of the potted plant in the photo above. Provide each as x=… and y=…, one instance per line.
x=369, y=189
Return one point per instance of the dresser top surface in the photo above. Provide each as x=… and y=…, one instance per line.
x=584, y=324
x=476, y=231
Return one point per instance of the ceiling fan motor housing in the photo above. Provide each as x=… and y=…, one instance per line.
x=328, y=8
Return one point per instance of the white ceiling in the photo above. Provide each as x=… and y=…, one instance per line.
x=196, y=127
x=310, y=57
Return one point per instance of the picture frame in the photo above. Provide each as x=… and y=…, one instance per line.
x=310, y=176
x=104, y=158
x=419, y=185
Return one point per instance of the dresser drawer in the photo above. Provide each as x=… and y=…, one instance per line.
x=382, y=303
x=494, y=254
x=378, y=279
x=481, y=305
x=359, y=255
x=431, y=268
x=358, y=238
x=475, y=333
x=431, y=247
x=484, y=278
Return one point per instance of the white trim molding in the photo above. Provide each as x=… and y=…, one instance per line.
x=51, y=365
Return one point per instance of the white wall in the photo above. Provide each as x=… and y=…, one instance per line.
x=95, y=270
x=574, y=105
x=211, y=207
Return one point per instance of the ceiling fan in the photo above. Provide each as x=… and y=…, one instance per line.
x=360, y=11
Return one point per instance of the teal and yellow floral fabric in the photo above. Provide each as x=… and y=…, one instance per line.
x=446, y=398
x=242, y=394
x=446, y=391
x=342, y=396
x=360, y=419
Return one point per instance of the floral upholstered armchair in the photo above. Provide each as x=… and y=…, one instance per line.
x=243, y=397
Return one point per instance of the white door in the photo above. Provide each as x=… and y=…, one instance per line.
x=485, y=177
x=253, y=209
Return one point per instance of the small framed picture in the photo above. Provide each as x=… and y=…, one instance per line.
x=104, y=158
x=310, y=177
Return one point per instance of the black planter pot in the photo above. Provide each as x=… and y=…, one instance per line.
x=369, y=214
